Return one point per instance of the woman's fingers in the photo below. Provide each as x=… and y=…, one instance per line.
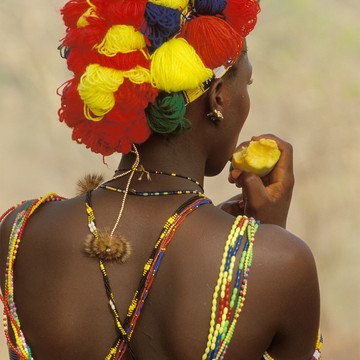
x=234, y=206
x=268, y=199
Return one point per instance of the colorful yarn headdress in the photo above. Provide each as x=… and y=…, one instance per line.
x=137, y=63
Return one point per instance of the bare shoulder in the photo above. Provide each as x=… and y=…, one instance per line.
x=282, y=305
x=49, y=218
x=281, y=259
x=285, y=262
x=275, y=247
x=278, y=247
x=43, y=213
x=285, y=270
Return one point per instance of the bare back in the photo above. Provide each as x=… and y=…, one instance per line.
x=63, y=306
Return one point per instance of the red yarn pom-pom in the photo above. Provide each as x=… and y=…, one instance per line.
x=91, y=134
x=214, y=40
x=77, y=60
x=139, y=131
x=72, y=11
x=116, y=132
x=124, y=12
x=120, y=61
x=242, y=15
x=72, y=108
x=88, y=36
x=135, y=96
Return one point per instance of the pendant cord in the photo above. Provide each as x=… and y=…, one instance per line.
x=132, y=173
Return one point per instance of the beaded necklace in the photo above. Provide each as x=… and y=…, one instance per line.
x=108, y=246
x=20, y=348
x=156, y=172
x=153, y=193
x=226, y=304
x=151, y=267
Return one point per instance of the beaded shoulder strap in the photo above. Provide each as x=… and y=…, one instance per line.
x=151, y=267
x=227, y=304
x=20, y=349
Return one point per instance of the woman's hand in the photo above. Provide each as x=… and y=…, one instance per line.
x=234, y=206
x=266, y=199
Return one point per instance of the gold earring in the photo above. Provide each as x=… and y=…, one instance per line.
x=219, y=114
x=215, y=115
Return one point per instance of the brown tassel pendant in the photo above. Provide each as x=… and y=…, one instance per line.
x=88, y=182
x=108, y=248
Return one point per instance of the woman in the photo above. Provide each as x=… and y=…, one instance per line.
x=138, y=67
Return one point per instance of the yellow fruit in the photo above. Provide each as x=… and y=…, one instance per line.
x=259, y=157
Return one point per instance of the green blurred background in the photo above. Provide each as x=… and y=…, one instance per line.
x=306, y=89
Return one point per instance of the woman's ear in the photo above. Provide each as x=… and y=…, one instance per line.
x=216, y=94
x=216, y=100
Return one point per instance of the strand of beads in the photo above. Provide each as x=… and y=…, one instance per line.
x=7, y=212
x=150, y=270
x=224, y=313
x=21, y=348
x=156, y=172
x=152, y=266
x=319, y=343
x=153, y=193
x=245, y=264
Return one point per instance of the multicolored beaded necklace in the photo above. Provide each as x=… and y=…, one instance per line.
x=227, y=304
x=151, y=267
x=20, y=348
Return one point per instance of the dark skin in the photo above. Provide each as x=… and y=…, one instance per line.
x=59, y=291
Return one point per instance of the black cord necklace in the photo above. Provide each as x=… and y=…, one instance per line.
x=153, y=193
x=156, y=193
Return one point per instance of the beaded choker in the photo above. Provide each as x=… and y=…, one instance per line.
x=153, y=193
x=155, y=172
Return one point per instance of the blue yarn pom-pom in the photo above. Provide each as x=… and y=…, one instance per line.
x=162, y=23
x=210, y=7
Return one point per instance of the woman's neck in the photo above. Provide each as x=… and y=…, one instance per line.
x=171, y=156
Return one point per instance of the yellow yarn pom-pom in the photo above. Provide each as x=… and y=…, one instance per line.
x=175, y=66
x=173, y=4
x=96, y=89
x=121, y=39
x=138, y=75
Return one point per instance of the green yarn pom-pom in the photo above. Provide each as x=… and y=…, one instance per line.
x=167, y=114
